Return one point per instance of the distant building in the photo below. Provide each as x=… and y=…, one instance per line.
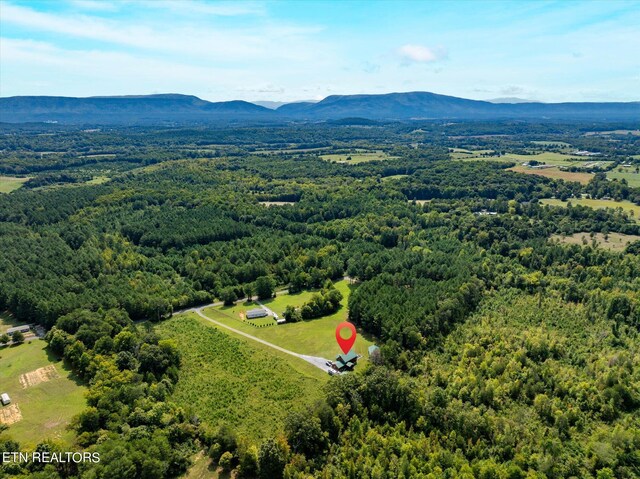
x=346, y=362
x=25, y=328
x=256, y=313
x=372, y=349
x=5, y=399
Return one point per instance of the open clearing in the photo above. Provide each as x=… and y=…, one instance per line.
x=554, y=173
x=357, y=157
x=614, y=132
x=46, y=406
x=614, y=241
x=627, y=173
x=276, y=203
x=548, y=157
x=226, y=378
x=315, y=337
x=394, y=177
x=7, y=321
x=552, y=143
x=10, y=183
x=627, y=206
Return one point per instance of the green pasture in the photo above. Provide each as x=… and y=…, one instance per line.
x=357, y=157
x=552, y=143
x=627, y=206
x=627, y=173
x=10, y=183
x=547, y=157
x=612, y=241
x=48, y=407
x=226, y=378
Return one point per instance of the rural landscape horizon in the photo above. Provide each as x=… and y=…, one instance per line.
x=319, y=239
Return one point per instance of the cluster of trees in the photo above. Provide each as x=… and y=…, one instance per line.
x=322, y=303
x=480, y=318
x=129, y=421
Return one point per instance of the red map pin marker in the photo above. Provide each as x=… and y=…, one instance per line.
x=345, y=344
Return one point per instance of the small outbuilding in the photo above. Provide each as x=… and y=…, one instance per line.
x=5, y=399
x=24, y=328
x=256, y=313
x=372, y=349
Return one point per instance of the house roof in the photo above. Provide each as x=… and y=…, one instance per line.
x=373, y=348
x=345, y=358
x=256, y=313
x=24, y=327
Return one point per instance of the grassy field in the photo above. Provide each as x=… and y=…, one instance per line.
x=552, y=143
x=598, y=204
x=358, y=157
x=7, y=321
x=613, y=242
x=394, y=177
x=614, y=132
x=547, y=157
x=555, y=173
x=315, y=337
x=10, y=183
x=98, y=180
x=46, y=407
x=276, y=203
x=235, y=380
x=628, y=173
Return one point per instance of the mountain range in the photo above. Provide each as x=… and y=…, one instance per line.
x=180, y=109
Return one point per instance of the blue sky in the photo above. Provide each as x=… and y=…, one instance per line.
x=297, y=50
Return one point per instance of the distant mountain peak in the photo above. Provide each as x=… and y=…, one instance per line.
x=178, y=108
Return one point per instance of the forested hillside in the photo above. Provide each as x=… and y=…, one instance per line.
x=504, y=354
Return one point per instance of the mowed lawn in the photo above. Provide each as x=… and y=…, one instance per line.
x=230, y=379
x=10, y=183
x=627, y=206
x=46, y=407
x=315, y=337
x=613, y=242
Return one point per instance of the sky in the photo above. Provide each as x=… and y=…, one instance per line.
x=548, y=51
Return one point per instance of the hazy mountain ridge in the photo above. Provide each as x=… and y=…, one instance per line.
x=391, y=106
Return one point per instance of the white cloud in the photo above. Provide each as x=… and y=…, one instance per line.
x=202, y=40
x=411, y=53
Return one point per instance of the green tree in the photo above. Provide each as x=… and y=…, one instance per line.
x=272, y=457
x=265, y=286
x=17, y=337
x=226, y=461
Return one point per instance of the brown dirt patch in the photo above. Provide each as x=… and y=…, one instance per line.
x=40, y=375
x=10, y=414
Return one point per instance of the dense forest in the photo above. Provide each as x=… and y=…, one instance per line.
x=504, y=354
